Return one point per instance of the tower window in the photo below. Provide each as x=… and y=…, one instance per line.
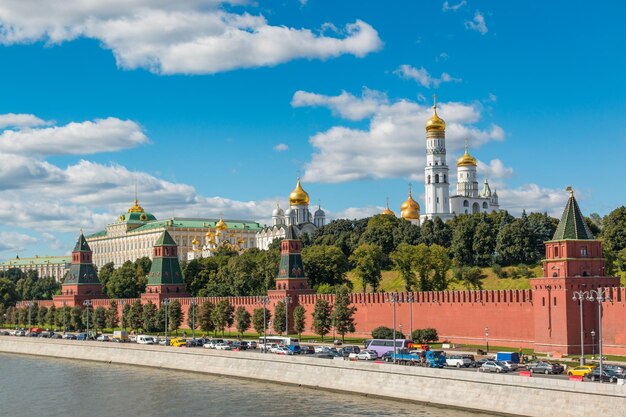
x=436, y=178
x=445, y=178
x=556, y=251
x=583, y=251
x=465, y=203
x=429, y=179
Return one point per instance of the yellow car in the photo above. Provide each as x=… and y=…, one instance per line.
x=580, y=370
x=178, y=342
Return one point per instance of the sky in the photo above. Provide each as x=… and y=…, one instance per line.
x=214, y=107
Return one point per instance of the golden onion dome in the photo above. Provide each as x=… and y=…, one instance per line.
x=298, y=196
x=220, y=225
x=136, y=208
x=410, y=209
x=466, y=160
x=209, y=233
x=387, y=210
x=195, y=241
x=435, y=123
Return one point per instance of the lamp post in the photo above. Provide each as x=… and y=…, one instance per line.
x=600, y=295
x=87, y=304
x=263, y=300
x=122, y=303
x=593, y=343
x=580, y=296
x=287, y=301
x=193, y=318
x=393, y=298
x=487, y=337
x=64, y=316
x=166, y=303
x=410, y=299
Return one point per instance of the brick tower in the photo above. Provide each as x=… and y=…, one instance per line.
x=165, y=279
x=81, y=282
x=573, y=262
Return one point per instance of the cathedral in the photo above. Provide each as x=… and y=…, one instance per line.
x=297, y=215
x=467, y=198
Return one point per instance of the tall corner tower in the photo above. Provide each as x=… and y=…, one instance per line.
x=436, y=178
x=165, y=278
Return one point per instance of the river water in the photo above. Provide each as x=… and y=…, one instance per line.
x=33, y=386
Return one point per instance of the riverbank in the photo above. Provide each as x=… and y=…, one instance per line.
x=503, y=394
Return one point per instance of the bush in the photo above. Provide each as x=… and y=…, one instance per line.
x=383, y=332
x=499, y=271
x=521, y=271
x=428, y=335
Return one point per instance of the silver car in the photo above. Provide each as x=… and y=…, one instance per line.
x=492, y=366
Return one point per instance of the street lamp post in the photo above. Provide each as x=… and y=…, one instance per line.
x=193, y=318
x=410, y=299
x=580, y=296
x=166, y=303
x=393, y=298
x=593, y=343
x=263, y=300
x=600, y=295
x=87, y=304
x=287, y=301
x=487, y=337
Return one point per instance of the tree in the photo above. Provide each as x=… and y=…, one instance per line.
x=380, y=231
x=11, y=315
x=104, y=274
x=150, y=317
x=461, y=247
x=322, y=318
x=223, y=315
x=367, y=260
x=423, y=336
x=205, y=320
x=440, y=263
x=8, y=292
x=470, y=276
x=2, y=315
x=299, y=318
x=614, y=230
x=135, y=315
x=484, y=242
x=343, y=314
x=64, y=318
x=242, y=318
x=383, y=332
x=324, y=265
x=112, y=316
x=423, y=266
x=51, y=315
x=257, y=319
x=42, y=313
x=403, y=259
x=279, y=317
x=175, y=318
x=88, y=317
x=76, y=318
x=126, y=319
x=123, y=282
x=192, y=316
x=100, y=318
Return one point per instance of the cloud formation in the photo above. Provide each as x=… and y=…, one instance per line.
x=20, y=120
x=344, y=105
x=422, y=76
x=169, y=37
x=477, y=23
x=453, y=7
x=281, y=147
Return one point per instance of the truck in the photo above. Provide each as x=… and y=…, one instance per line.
x=508, y=356
x=430, y=358
x=120, y=336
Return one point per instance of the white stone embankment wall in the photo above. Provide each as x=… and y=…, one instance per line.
x=504, y=394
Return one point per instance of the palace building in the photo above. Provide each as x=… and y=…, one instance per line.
x=297, y=215
x=46, y=266
x=133, y=234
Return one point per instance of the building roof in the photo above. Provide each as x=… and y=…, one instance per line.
x=165, y=240
x=81, y=245
x=37, y=260
x=572, y=224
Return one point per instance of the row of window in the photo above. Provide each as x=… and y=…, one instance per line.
x=445, y=179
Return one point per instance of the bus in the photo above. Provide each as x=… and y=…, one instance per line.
x=289, y=342
x=382, y=346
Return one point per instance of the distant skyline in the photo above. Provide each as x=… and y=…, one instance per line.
x=216, y=107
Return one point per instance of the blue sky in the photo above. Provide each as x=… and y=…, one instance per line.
x=192, y=102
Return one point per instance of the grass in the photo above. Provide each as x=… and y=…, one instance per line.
x=391, y=281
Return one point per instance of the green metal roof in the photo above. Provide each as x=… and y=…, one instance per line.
x=81, y=245
x=165, y=240
x=572, y=224
x=37, y=260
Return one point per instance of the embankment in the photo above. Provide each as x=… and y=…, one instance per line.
x=504, y=394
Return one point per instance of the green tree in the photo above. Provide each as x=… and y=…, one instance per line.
x=367, y=260
x=100, y=318
x=257, y=319
x=343, y=313
x=135, y=315
x=76, y=318
x=51, y=315
x=324, y=265
x=175, y=318
x=223, y=315
x=423, y=265
x=440, y=263
x=299, y=319
x=279, y=317
x=461, y=247
x=383, y=332
x=192, y=316
x=243, y=319
x=423, y=336
x=470, y=276
x=123, y=282
x=126, y=316
x=89, y=318
x=11, y=315
x=150, y=317
x=380, y=231
x=484, y=242
x=205, y=319
x=403, y=259
x=104, y=274
x=64, y=317
x=42, y=313
x=2, y=315
x=614, y=230
x=8, y=292
x=112, y=316
x=322, y=318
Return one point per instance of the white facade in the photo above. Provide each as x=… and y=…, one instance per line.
x=46, y=266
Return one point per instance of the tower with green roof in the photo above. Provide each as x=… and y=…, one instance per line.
x=573, y=262
x=165, y=279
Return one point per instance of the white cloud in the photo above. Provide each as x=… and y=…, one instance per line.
x=20, y=120
x=13, y=241
x=355, y=212
x=422, y=76
x=169, y=37
x=478, y=23
x=281, y=147
x=453, y=7
x=393, y=146
x=495, y=170
x=533, y=198
x=345, y=104
x=101, y=135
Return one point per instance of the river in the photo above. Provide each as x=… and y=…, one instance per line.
x=34, y=386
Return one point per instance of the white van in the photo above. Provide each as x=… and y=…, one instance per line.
x=142, y=339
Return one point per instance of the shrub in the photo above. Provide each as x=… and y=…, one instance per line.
x=383, y=332
x=428, y=335
x=499, y=271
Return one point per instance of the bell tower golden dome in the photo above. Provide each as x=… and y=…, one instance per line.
x=410, y=209
x=435, y=123
x=466, y=160
x=298, y=196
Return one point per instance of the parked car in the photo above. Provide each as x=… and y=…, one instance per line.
x=580, y=370
x=545, y=367
x=82, y=336
x=69, y=336
x=607, y=375
x=320, y=349
x=307, y=350
x=618, y=369
x=472, y=359
x=222, y=346
x=367, y=355
x=347, y=350
x=509, y=365
x=282, y=350
x=243, y=345
x=328, y=354
x=4, y=333
x=143, y=339
x=252, y=345
x=56, y=336
x=458, y=361
x=20, y=333
x=492, y=366
x=103, y=338
x=178, y=342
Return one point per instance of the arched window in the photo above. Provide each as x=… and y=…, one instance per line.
x=485, y=205
x=475, y=208
x=436, y=178
x=429, y=179
x=465, y=203
x=445, y=178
